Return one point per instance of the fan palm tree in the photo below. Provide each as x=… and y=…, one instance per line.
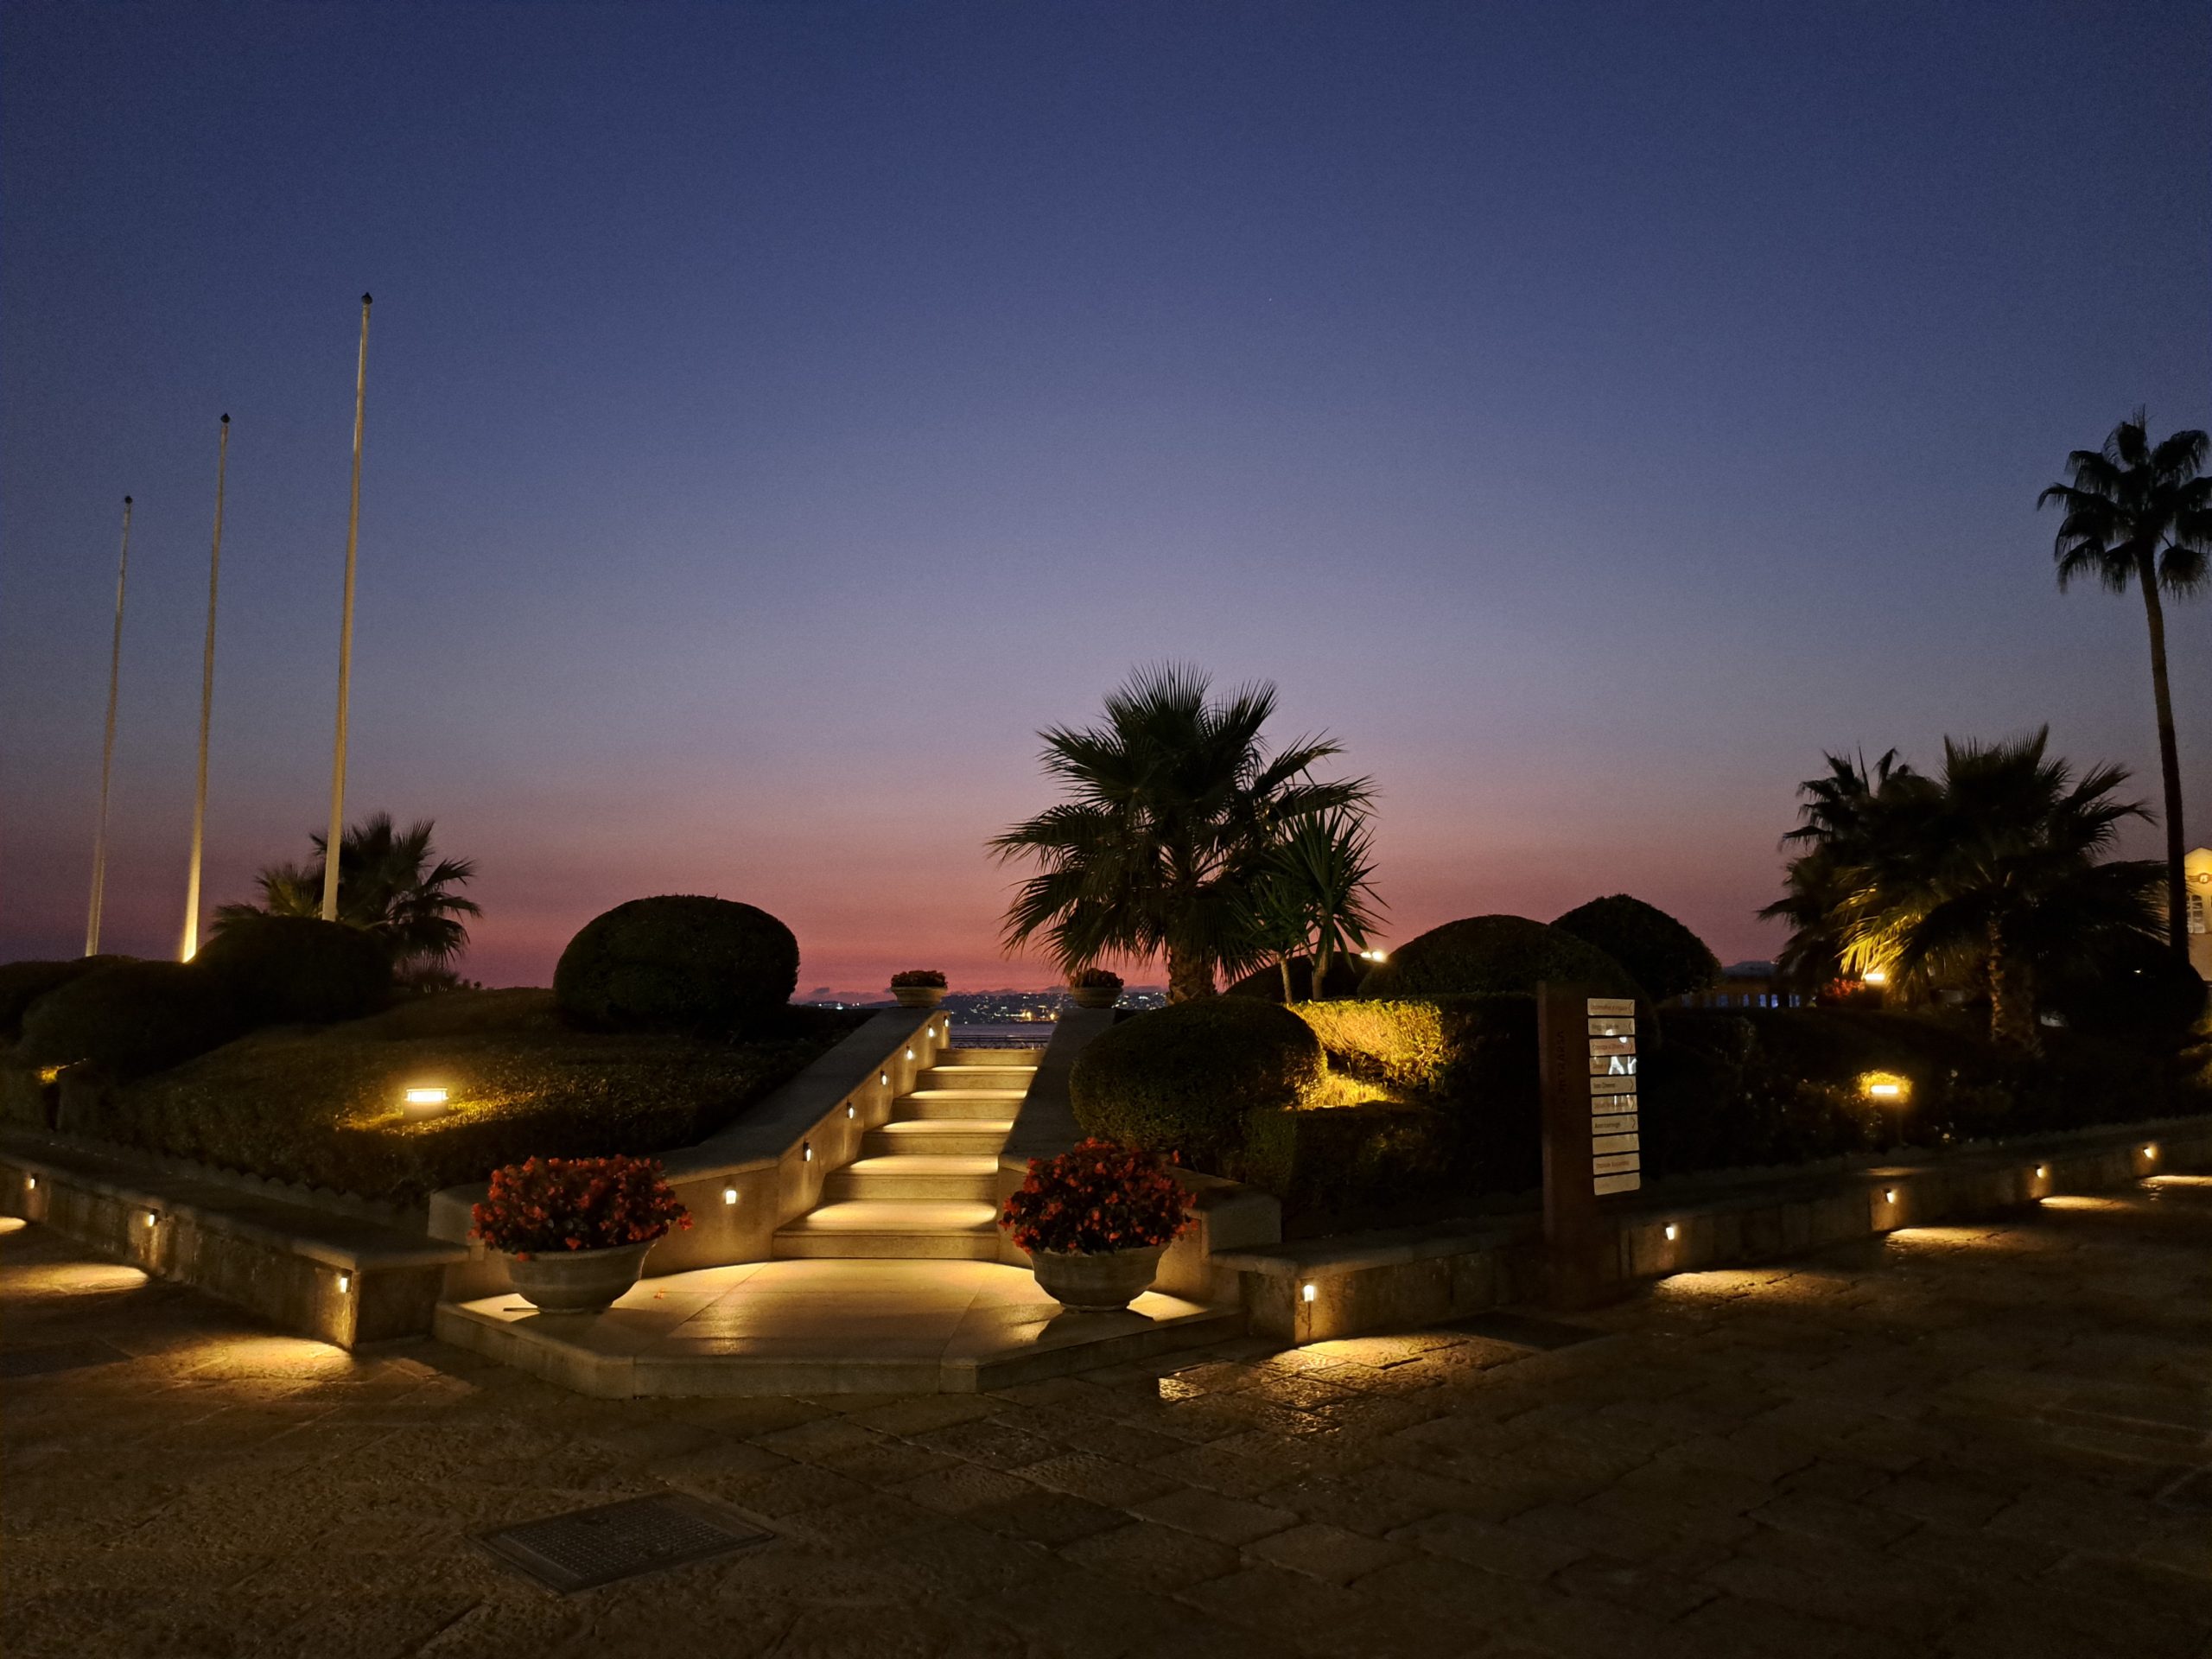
x=2141, y=513
x=1991, y=875
x=1174, y=804
x=388, y=886
x=1311, y=896
x=1833, y=830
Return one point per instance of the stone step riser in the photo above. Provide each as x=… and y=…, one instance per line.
x=970, y=1077
x=1027, y=1059
x=943, y=1247
x=907, y=1108
x=871, y=1186
x=982, y=1141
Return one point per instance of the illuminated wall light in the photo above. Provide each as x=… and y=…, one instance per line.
x=2150, y=1152
x=31, y=1182
x=1307, y=1293
x=345, y=1283
x=2042, y=1171
x=153, y=1220
x=883, y=1078
x=1889, y=1195
x=1673, y=1232
x=729, y=1195
x=851, y=1111
x=910, y=1053
x=806, y=1151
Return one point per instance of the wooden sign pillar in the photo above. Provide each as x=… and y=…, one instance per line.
x=1593, y=1149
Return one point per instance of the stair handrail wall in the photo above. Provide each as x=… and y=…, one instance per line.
x=747, y=1179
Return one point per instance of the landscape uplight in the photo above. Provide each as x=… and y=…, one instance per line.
x=423, y=1100
x=1886, y=1086
x=1875, y=976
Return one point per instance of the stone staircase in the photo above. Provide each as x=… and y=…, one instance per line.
x=926, y=1181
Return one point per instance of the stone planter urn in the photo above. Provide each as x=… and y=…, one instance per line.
x=918, y=997
x=1094, y=996
x=1095, y=1284
x=578, y=1282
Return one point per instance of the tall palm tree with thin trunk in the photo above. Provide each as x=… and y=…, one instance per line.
x=1174, y=805
x=2141, y=513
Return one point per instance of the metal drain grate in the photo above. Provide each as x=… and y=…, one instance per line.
x=59, y=1356
x=1524, y=1331
x=619, y=1540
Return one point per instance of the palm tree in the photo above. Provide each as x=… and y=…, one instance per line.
x=2142, y=514
x=1174, y=804
x=388, y=886
x=1990, y=876
x=1311, y=895
x=1832, y=831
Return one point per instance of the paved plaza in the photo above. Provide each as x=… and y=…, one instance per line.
x=1986, y=1440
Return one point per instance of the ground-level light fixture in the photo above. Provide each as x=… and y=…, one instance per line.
x=1307, y=1293
x=1375, y=956
x=2042, y=1171
x=2151, y=1152
x=153, y=1218
x=1875, y=976
x=30, y=1182
x=729, y=1195
x=345, y=1283
x=1889, y=1195
x=1673, y=1232
x=1889, y=1087
x=423, y=1100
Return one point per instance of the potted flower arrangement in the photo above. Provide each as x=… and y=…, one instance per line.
x=576, y=1230
x=1094, y=1221
x=1095, y=988
x=919, y=988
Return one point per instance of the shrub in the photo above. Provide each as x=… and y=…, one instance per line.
x=22, y=983
x=1102, y=979
x=289, y=970
x=1096, y=1198
x=576, y=1204
x=1659, y=954
x=932, y=978
x=1185, y=1077
x=1343, y=979
x=1487, y=955
x=1341, y=1158
x=678, y=963
x=131, y=1018
x=2137, y=988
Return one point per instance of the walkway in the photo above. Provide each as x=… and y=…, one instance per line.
x=1962, y=1441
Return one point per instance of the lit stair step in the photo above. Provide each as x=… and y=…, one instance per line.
x=950, y=1136
x=911, y=1178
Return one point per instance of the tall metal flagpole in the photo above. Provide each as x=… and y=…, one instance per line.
x=107, y=746
x=206, y=708
x=346, y=640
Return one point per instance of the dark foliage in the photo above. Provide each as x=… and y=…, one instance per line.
x=2134, y=989
x=1343, y=979
x=1184, y=1078
x=1660, y=955
x=284, y=971
x=22, y=983
x=1341, y=1158
x=129, y=1018
x=678, y=963
x=1489, y=955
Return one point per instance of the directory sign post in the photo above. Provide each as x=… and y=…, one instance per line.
x=1593, y=1148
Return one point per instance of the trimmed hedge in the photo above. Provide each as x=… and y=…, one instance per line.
x=22, y=983
x=1659, y=954
x=284, y=971
x=1184, y=1078
x=678, y=962
x=1491, y=956
x=322, y=1106
x=1341, y=1158
x=1343, y=979
x=129, y=1018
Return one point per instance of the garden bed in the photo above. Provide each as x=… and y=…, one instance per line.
x=322, y=1106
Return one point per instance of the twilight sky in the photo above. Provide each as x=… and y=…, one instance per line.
x=777, y=413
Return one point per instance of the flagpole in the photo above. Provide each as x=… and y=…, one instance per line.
x=331, y=846
x=207, y=710
x=107, y=746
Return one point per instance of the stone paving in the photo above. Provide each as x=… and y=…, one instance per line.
x=1970, y=1441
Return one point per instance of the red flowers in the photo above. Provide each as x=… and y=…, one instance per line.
x=1096, y=1198
x=576, y=1204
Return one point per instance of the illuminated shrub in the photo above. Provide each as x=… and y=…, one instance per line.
x=284, y=971
x=1486, y=956
x=678, y=962
x=1184, y=1078
x=22, y=983
x=129, y=1018
x=1342, y=1157
x=1664, y=957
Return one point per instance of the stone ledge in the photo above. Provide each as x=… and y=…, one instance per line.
x=338, y=1278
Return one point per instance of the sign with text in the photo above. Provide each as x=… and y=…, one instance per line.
x=1593, y=1146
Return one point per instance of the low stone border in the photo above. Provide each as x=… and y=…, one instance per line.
x=340, y=1278
x=1345, y=1286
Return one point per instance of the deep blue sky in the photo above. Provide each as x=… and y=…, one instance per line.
x=1587, y=413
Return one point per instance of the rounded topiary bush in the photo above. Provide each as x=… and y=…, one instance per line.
x=287, y=970
x=1489, y=955
x=678, y=963
x=22, y=983
x=1660, y=955
x=131, y=1018
x=1184, y=1078
x=2133, y=988
x=1341, y=980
